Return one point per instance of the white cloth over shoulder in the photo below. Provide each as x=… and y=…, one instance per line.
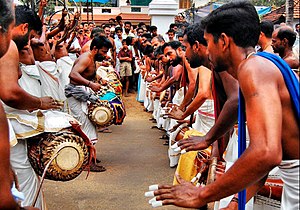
x=30, y=80
x=289, y=171
x=64, y=67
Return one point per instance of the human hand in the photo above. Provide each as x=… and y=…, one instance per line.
x=49, y=103
x=95, y=86
x=154, y=88
x=185, y=194
x=149, y=79
x=193, y=143
x=176, y=113
x=231, y=206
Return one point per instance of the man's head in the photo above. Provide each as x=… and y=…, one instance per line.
x=139, y=32
x=157, y=41
x=97, y=31
x=297, y=28
x=146, y=39
x=119, y=32
x=148, y=51
x=173, y=52
x=173, y=26
x=124, y=44
x=27, y=23
x=6, y=24
x=171, y=34
x=283, y=37
x=195, y=45
x=266, y=30
x=106, y=29
x=180, y=37
x=119, y=21
x=100, y=45
x=127, y=27
x=153, y=31
x=159, y=55
x=233, y=24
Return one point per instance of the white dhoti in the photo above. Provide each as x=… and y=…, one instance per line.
x=50, y=80
x=30, y=80
x=141, y=89
x=28, y=180
x=204, y=117
x=79, y=111
x=289, y=171
x=64, y=67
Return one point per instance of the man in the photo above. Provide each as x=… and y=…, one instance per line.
x=153, y=31
x=14, y=96
x=232, y=31
x=112, y=52
x=78, y=92
x=6, y=25
x=127, y=30
x=283, y=39
x=171, y=35
x=265, y=37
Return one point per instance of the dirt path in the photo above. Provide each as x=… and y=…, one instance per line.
x=134, y=157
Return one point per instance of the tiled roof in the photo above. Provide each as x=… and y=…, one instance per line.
x=277, y=13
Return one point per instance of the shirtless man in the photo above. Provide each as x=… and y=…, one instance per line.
x=12, y=94
x=6, y=26
x=265, y=37
x=81, y=79
x=273, y=129
x=283, y=39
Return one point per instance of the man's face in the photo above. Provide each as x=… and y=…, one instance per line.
x=214, y=55
x=21, y=35
x=155, y=43
x=140, y=32
x=85, y=27
x=180, y=39
x=154, y=33
x=172, y=55
x=277, y=44
x=171, y=35
x=119, y=34
x=127, y=28
x=101, y=54
x=107, y=31
x=193, y=57
x=5, y=38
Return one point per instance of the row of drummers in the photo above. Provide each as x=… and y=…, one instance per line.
x=182, y=104
x=57, y=144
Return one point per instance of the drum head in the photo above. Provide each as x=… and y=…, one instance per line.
x=101, y=114
x=69, y=151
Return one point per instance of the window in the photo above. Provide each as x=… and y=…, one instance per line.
x=136, y=9
x=106, y=10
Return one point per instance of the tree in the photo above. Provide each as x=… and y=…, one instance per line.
x=289, y=11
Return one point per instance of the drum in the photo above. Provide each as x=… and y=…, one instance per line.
x=181, y=133
x=108, y=110
x=69, y=152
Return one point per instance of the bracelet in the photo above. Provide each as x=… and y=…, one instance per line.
x=89, y=84
x=270, y=192
x=234, y=199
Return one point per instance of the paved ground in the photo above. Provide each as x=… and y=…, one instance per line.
x=134, y=157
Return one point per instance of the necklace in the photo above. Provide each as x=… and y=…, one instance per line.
x=248, y=56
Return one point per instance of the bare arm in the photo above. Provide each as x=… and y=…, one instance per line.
x=11, y=93
x=79, y=67
x=192, y=75
x=7, y=201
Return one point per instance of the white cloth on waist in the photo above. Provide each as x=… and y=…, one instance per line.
x=64, y=67
x=289, y=171
x=50, y=80
x=30, y=80
x=204, y=117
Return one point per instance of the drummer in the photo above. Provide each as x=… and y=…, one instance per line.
x=81, y=86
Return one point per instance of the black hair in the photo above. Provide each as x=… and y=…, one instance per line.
x=106, y=26
x=118, y=29
x=173, y=44
x=99, y=42
x=25, y=15
x=179, y=34
x=195, y=33
x=118, y=18
x=112, y=19
x=238, y=20
x=141, y=24
x=152, y=28
x=158, y=51
x=124, y=41
x=159, y=38
x=129, y=40
x=97, y=31
x=127, y=22
x=147, y=36
x=148, y=50
x=172, y=25
x=6, y=14
x=288, y=33
x=267, y=27
x=171, y=31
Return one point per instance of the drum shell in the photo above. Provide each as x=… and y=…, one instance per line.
x=43, y=147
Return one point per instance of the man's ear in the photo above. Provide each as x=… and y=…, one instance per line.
x=24, y=28
x=196, y=46
x=285, y=42
x=224, y=41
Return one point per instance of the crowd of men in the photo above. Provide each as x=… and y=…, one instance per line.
x=187, y=77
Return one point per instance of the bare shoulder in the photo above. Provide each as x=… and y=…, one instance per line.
x=11, y=56
x=83, y=60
